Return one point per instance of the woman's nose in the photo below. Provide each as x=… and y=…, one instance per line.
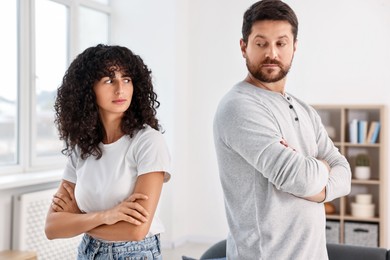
x=119, y=89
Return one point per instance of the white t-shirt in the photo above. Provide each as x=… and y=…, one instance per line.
x=104, y=183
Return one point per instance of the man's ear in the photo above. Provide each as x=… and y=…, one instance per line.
x=295, y=44
x=243, y=48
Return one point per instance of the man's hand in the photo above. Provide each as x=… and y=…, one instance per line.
x=320, y=197
x=326, y=164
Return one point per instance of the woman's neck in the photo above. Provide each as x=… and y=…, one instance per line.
x=112, y=129
x=112, y=137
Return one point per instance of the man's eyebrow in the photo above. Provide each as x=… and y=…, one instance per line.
x=284, y=36
x=263, y=37
x=260, y=36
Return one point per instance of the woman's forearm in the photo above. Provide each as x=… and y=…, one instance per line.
x=68, y=224
x=65, y=224
x=65, y=219
x=149, y=184
x=121, y=231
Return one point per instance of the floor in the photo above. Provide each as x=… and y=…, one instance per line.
x=194, y=250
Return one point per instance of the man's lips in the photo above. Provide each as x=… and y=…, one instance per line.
x=270, y=65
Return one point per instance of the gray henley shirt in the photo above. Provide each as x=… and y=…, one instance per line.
x=264, y=181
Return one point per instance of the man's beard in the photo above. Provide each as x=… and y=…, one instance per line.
x=257, y=71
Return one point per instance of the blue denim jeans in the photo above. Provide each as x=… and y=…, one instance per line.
x=95, y=249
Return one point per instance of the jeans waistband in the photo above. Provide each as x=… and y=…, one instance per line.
x=102, y=246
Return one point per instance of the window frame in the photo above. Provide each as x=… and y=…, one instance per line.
x=26, y=157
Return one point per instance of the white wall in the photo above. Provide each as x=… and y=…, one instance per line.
x=193, y=49
x=343, y=54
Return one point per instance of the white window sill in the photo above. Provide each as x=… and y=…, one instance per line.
x=26, y=179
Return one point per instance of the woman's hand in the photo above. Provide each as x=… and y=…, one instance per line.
x=65, y=202
x=129, y=210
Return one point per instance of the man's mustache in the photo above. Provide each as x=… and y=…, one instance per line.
x=271, y=61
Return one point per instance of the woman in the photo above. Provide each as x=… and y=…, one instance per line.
x=118, y=159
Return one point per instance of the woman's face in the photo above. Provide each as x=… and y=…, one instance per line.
x=113, y=94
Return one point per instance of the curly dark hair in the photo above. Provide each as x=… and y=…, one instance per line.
x=77, y=116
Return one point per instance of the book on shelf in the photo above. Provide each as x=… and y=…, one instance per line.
x=362, y=131
x=353, y=131
x=373, y=132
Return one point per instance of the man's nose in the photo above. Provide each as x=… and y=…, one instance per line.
x=271, y=52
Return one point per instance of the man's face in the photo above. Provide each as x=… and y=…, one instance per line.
x=269, y=51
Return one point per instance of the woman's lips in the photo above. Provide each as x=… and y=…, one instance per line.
x=119, y=101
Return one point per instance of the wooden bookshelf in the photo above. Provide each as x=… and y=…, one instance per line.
x=336, y=119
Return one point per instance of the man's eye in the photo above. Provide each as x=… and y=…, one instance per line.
x=109, y=81
x=127, y=80
x=282, y=44
x=260, y=44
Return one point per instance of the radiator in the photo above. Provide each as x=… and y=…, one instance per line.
x=28, y=233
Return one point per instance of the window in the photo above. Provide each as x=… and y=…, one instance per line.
x=43, y=36
x=93, y=27
x=8, y=93
x=51, y=60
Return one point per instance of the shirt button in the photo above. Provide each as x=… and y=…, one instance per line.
x=288, y=98
x=296, y=119
x=291, y=106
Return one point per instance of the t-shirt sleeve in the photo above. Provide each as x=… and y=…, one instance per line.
x=152, y=155
x=70, y=168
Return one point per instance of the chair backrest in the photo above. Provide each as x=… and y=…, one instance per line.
x=349, y=252
x=218, y=250
x=335, y=252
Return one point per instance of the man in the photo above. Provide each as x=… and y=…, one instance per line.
x=277, y=164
